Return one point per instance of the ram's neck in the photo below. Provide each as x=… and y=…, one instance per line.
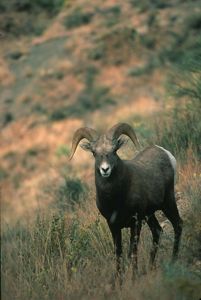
x=110, y=190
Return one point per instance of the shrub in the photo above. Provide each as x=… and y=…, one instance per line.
x=51, y=6
x=193, y=21
x=111, y=14
x=33, y=152
x=59, y=114
x=8, y=118
x=93, y=97
x=28, y=16
x=116, y=46
x=77, y=18
x=3, y=174
x=181, y=129
x=70, y=193
x=192, y=192
x=38, y=108
x=97, y=52
x=148, y=5
x=62, y=150
x=147, y=41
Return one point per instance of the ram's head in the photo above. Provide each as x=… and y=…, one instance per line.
x=104, y=147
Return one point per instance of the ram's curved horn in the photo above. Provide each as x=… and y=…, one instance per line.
x=123, y=128
x=82, y=133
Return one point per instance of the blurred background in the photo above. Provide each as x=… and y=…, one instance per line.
x=66, y=64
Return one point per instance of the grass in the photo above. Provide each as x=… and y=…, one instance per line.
x=50, y=257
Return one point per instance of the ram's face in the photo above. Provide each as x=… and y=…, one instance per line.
x=104, y=151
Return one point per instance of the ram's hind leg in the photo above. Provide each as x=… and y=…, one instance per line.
x=134, y=240
x=156, y=231
x=171, y=211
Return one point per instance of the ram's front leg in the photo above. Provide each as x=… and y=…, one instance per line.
x=134, y=240
x=117, y=240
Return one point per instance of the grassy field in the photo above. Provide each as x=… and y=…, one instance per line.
x=68, y=253
x=94, y=64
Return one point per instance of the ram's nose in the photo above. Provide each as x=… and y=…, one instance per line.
x=105, y=169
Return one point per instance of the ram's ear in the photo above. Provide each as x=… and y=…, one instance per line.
x=120, y=142
x=86, y=146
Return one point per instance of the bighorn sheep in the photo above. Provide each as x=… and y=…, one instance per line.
x=130, y=191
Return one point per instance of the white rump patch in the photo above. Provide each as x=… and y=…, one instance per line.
x=113, y=216
x=171, y=158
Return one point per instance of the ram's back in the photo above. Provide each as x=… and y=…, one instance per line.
x=151, y=175
x=156, y=159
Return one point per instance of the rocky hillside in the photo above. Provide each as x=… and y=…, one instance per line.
x=79, y=63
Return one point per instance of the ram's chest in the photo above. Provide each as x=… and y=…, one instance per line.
x=112, y=206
